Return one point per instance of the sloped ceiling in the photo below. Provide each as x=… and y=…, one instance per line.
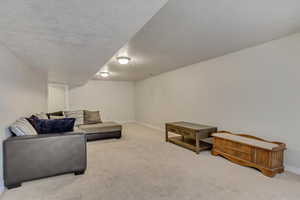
x=187, y=32
x=71, y=39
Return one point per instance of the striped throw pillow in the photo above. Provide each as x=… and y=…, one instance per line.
x=22, y=127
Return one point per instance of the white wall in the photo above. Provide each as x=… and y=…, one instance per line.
x=23, y=92
x=57, y=97
x=114, y=99
x=254, y=91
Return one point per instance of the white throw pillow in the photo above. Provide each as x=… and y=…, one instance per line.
x=41, y=115
x=22, y=127
x=56, y=117
x=78, y=115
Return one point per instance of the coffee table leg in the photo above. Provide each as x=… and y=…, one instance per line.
x=197, y=144
x=167, y=137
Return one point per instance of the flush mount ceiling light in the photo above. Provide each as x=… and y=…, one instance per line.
x=123, y=60
x=103, y=74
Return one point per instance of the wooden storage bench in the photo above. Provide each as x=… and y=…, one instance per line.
x=250, y=151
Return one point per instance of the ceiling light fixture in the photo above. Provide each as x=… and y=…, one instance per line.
x=123, y=60
x=103, y=74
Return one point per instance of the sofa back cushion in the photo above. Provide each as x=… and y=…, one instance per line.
x=46, y=126
x=78, y=115
x=22, y=127
x=91, y=117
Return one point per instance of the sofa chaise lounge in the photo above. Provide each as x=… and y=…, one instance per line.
x=104, y=130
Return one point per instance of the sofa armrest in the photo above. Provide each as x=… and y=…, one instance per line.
x=32, y=157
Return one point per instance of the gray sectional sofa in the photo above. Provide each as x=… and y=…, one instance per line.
x=27, y=158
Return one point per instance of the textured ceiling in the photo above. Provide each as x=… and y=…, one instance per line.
x=71, y=39
x=187, y=32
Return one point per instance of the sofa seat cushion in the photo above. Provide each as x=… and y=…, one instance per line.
x=100, y=127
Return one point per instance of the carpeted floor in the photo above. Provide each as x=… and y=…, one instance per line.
x=141, y=166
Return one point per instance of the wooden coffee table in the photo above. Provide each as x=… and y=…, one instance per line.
x=192, y=136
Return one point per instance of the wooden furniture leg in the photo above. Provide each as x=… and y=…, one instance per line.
x=167, y=136
x=197, y=144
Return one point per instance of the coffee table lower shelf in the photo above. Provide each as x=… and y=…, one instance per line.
x=189, y=143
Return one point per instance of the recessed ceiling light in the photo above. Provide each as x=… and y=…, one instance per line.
x=103, y=74
x=123, y=60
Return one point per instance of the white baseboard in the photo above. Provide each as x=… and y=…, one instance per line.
x=293, y=169
x=149, y=125
x=125, y=122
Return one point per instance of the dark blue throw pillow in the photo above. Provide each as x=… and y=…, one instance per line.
x=46, y=126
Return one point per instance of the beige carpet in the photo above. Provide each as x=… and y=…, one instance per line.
x=141, y=166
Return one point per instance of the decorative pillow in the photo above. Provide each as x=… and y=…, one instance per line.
x=58, y=113
x=78, y=115
x=22, y=127
x=91, y=117
x=41, y=115
x=46, y=126
x=56, y=117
